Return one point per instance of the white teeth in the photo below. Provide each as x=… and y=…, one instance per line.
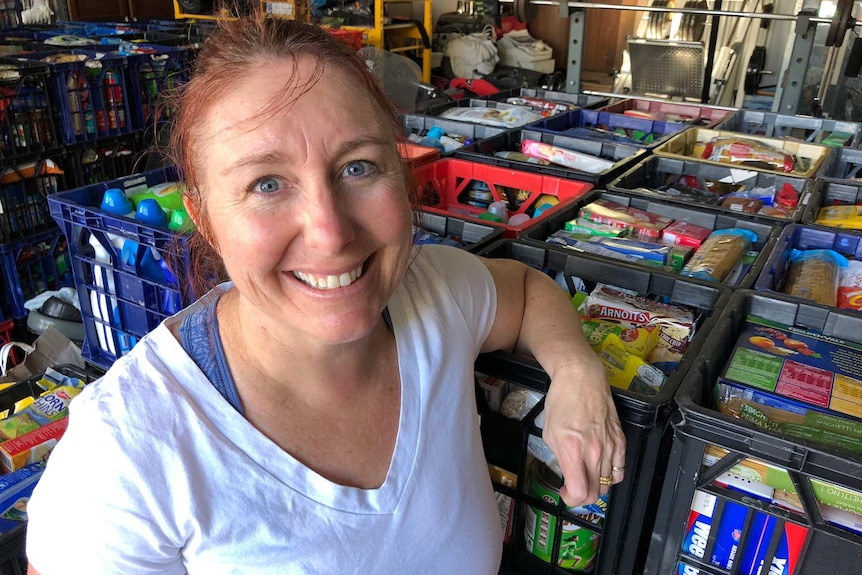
x=328, y=282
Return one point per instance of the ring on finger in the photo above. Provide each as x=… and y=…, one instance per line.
x=618, y=467
x=606, y=480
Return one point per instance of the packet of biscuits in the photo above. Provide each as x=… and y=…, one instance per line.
x=814, y=275
x=675, y=325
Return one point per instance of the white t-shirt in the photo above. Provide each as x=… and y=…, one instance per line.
x=157, y=473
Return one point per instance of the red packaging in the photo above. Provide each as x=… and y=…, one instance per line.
x=685, y=234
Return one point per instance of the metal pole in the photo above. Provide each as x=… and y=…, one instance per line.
x=710, y=56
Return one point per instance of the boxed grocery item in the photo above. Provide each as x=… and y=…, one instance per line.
x=788, y=362
x=730, y=523
x=31, y=447
x=15, y=491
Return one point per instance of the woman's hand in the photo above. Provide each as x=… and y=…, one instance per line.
x=583, y=431
x=536, y=317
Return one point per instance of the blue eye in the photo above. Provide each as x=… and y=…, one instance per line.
x=267, y=185
x=357, y=169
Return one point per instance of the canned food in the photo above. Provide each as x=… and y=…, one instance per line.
x=578, y=545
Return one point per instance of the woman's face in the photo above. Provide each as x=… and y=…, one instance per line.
x=306, y=206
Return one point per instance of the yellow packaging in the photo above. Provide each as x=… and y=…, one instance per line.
x=626, y=370
x=849, y=217
x=639, y=341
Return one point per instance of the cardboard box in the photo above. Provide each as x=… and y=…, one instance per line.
x=816, y=370
x=31, y=447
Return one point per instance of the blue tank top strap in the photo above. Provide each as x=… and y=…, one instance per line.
x=199, y=336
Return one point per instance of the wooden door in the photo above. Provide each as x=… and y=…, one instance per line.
x=95, y=10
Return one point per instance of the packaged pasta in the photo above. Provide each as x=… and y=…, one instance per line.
x=814, y=275
x=718, y=255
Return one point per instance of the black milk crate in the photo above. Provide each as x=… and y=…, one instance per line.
x=805, y=128
x=89, y=92
x=810, y=469
x=24, y=189
x=686, y=113
x=93, y=162
x=471, y=236
x=767, y=232
x=568, y=98
x=623, y=155
x=419, y=125
x=801, y=237
x=30, y=267
x=12, y=558
x=119, y=303
x=644, y=417
x=844, y=165
x=832, y=193
x=655, y=172
x=606, y=126
x=27, y=123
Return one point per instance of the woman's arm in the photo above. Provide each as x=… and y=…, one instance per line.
x=536, y=317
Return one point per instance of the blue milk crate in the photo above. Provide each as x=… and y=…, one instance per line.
x=119, y=304
x=90, y=94
x=24, y=189
x=30, y=267
x=605, y=126
x=10, y=14
x=622, y=155
x=26, y=112
x=801, y=237
x=153, y=73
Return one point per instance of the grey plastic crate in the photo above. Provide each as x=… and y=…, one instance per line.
x=804, y=128
x=579, y=100
x=695, y=114
x=623, y=155
x=472, y=235
x=827, y=548
x=659, y=171
x=419, y=124
x=767, y=233
x=830, y=193
x=844, y=165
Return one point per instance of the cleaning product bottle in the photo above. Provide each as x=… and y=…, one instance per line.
x=144, y=260
x=105, y=308
x=168, y=195
x=432, y=139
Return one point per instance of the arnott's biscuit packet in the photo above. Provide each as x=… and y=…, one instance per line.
x=675, y=325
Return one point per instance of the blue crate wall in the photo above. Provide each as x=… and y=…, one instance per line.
x=152, y=77
x=24, y=189
x=30, y=267
x=26, y=112
x=91, y=101
x=109, y=159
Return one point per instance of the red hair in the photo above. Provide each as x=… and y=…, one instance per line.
x=222, y=62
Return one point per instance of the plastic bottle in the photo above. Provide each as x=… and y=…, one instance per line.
x=105, y=308
x=432, y=139
x=168, y=195
x=114, y=101
x=74, y=99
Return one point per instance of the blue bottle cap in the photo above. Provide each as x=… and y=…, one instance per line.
x=151, y=213
x=115, y=202
x=435, y=132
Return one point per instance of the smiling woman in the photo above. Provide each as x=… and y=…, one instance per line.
x=316, y=412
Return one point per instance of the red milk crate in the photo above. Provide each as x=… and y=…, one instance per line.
x=458, y=187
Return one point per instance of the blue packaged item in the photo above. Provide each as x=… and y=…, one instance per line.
x=15, y=491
